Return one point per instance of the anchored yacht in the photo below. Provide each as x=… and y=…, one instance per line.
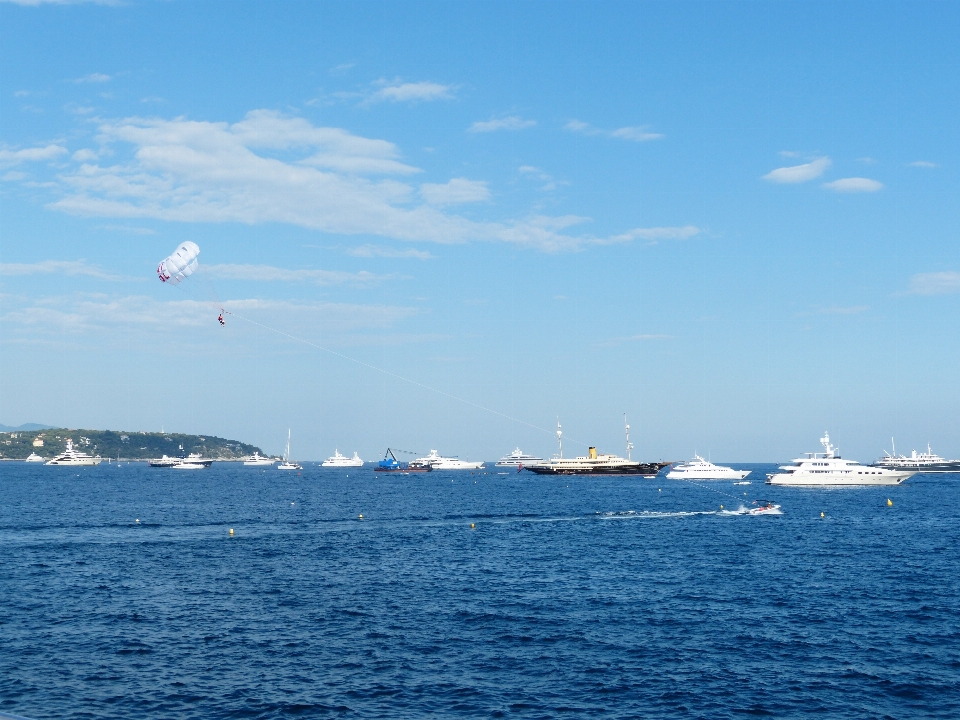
x=516, y=458
x=287, y=464
x=927, y=462
x=74, y=457
x=437, y=462
x=338, y=460
x=700, y=469
x=175, y=462
x=595, y=463
x=827, y=468
x=258, y=459
x=33, y=457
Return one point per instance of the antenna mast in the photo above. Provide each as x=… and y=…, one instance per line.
x=560, y=437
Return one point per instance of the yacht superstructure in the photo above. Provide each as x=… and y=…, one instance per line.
x=926, y=462
x=700, y=469
x=516, y=458
x=827, y=468
x=338, y=460
x=74, y=457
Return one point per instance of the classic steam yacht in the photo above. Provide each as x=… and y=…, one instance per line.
x=700, y=469
x=74, y=457
x=516, y=458
x=595, y=463
x=437, y=462
x=338, y=460
x=926, y=462
x=827, y=468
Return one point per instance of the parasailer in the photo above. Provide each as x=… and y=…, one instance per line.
x=180, y=265
x=221, y=320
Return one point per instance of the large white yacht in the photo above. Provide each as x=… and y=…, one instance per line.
x=74, y=457
x=33, y=457
x=258, y=459
x=827, y=468
x=927, y=462
x=517, y=458
x=438, y=462
x=338, y=460
x=700, y=469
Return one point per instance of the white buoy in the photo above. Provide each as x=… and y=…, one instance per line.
x=231, y=532
x=138, y=521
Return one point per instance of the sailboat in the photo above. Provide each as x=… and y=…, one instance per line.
x=286, y=464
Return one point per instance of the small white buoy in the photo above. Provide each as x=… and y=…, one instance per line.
x=721, y=507
x=361, y=516
x=138, y=521
x=295, y=503
x=231, y=532
x=821, y=515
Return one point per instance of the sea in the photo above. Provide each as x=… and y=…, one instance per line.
x=487, y=594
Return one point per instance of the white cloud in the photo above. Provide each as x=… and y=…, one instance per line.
x=638, y=133
x=93, y=78
x=268, y=273
x=341, y=69
x=457, y=190
x=507, y=123
x=84, y=155
x=923, y=164
x=34, y=154
x=57, y=267
x=656, y=234
x=854, y=185
x=367, y=251
x=13, y=176
x=407, y=92
x=269, y=168
x=799, y=173
x=935, y=283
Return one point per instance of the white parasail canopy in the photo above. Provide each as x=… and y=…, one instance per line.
x=180, y=264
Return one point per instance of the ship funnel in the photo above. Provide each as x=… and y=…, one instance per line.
x=593, y=453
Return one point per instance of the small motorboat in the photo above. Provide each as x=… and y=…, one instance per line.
x=187, y=465
x=764, y=507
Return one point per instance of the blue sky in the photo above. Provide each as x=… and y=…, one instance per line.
x=735, y=222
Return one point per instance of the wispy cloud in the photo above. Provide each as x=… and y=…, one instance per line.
x=456, y=191
x=413, y=92
x=93, y=78
x=512, y=122
x=268, y=273
x=368, y=251
x=923, y=164
x=935, y=283
x=656, y=234
x=9, y=157
x=534, y=172
x=799, y=173
x=320, y=178
x=854, y=185
x=57, y=267
x=638, y=133
x=341, y=69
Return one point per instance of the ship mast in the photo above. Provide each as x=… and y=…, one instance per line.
x=627, y=431
x=560, y=437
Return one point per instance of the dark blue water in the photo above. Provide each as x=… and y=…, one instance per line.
x=570, y=597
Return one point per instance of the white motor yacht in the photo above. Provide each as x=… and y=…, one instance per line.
x=189, y=465
x=700, y=469
x=517, y=458
x=438, y=462
x=338, y=460
x=33, y=457
x=827, y=468
x=287, y=464
x=74, y=457
x=258, y=459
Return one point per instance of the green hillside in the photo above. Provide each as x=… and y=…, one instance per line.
x=128, y=445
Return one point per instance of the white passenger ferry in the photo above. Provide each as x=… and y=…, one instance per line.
x=827, y=468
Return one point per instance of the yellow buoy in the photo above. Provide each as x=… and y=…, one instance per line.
x=821, y=514
x=472, y=526
x=721, y=507
x=361, y=516
x=231, y=531
x=889, y=502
